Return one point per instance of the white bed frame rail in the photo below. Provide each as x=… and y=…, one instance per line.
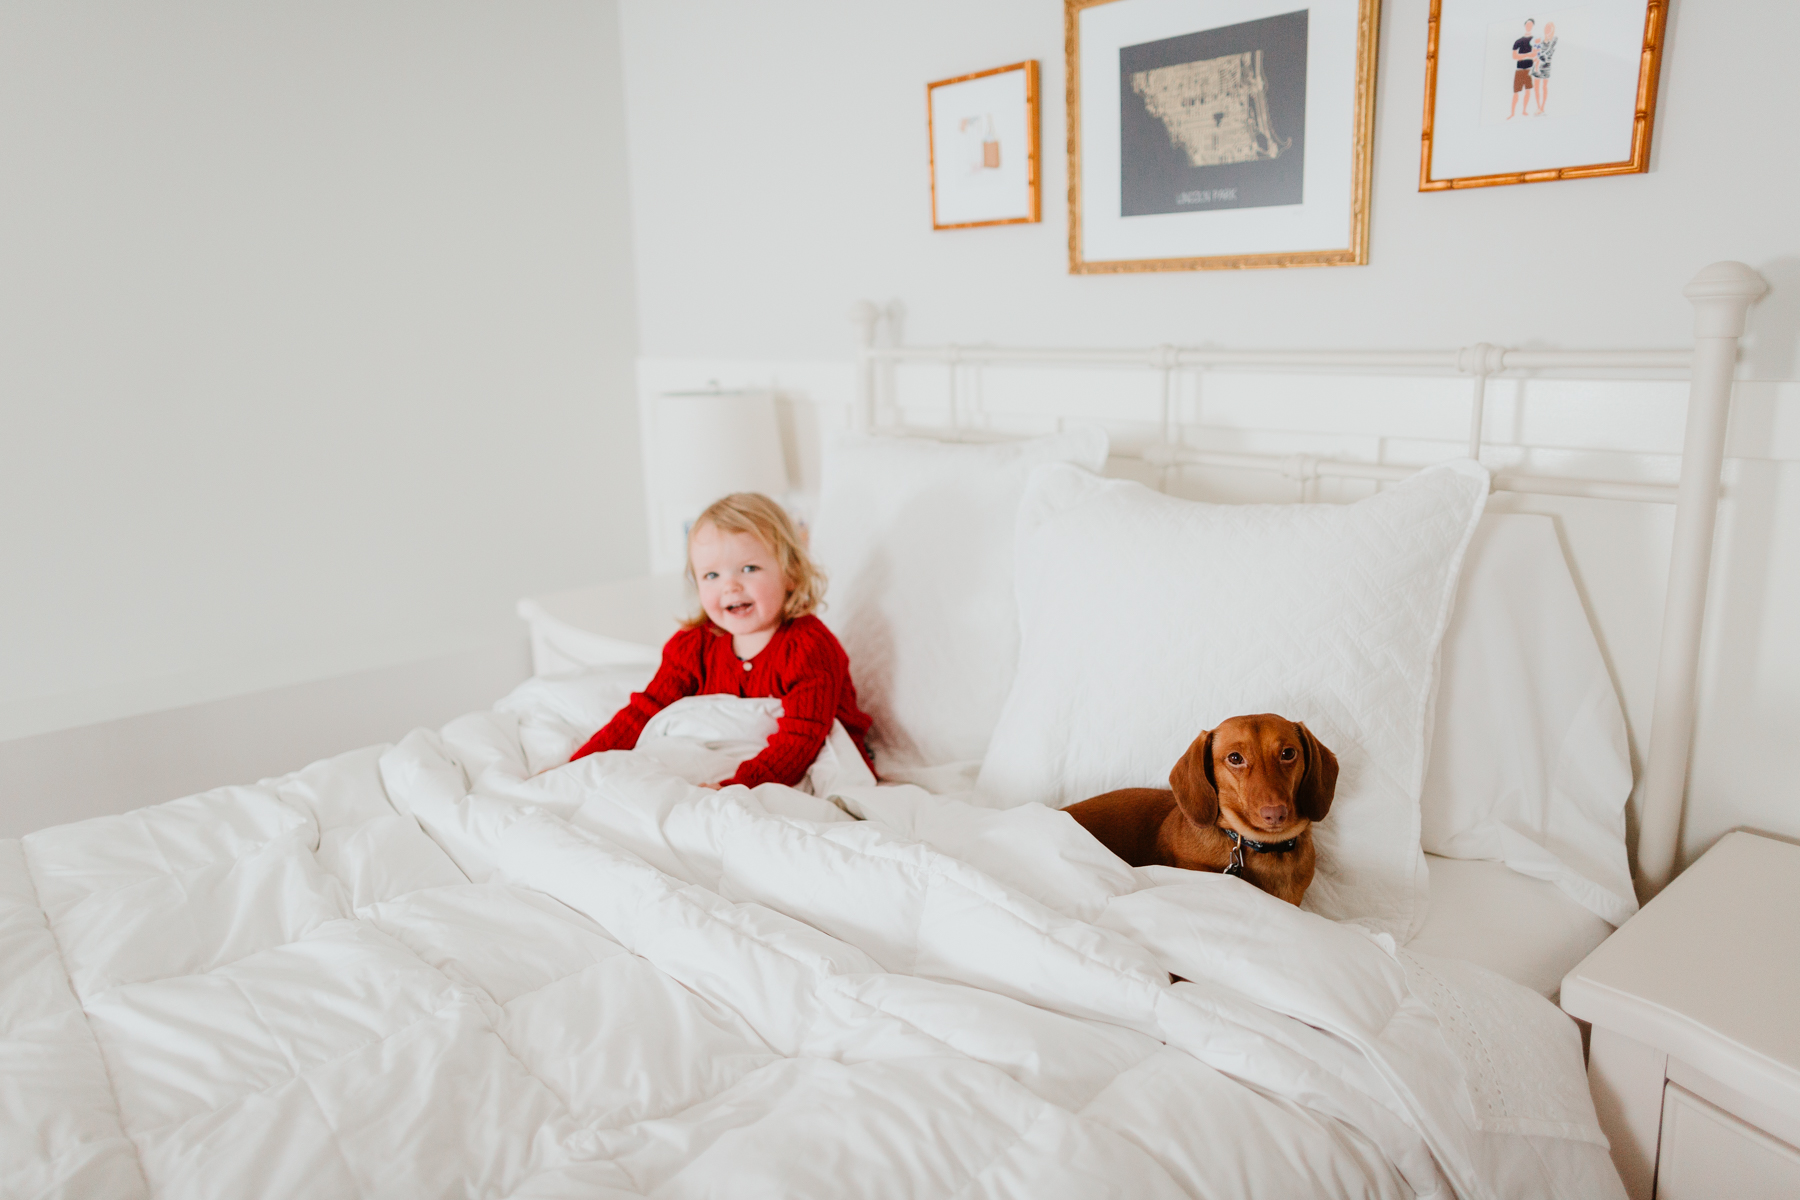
x=1721, y=295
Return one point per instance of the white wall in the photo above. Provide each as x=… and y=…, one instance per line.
x=779, y=172
x=316, y=325
x=116, y=766
x=779, y=154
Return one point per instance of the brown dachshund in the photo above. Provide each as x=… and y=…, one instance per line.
x=1244, y=800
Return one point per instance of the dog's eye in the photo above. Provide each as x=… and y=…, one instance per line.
x=1235, y=759
x=1287, y=754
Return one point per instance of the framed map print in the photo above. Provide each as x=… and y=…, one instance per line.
x=984, y=147
x=1517, y=92
x=1219, y=134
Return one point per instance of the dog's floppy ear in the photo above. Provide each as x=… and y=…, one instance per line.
x=1312, y=797
x=1192, y=781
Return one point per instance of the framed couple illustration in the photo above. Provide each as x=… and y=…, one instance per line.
x=1219, y=134
x=1517, y=92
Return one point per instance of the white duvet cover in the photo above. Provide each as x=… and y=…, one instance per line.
x=426, y=971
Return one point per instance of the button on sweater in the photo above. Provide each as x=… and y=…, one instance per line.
x=803, y=666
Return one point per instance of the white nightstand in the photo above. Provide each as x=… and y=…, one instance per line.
x=1695, y=1003
x=609, y=624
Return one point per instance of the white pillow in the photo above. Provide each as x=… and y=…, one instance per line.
x=1146, y=619
x=557, y=713
x=1529, y=760
x=917, y=537
x=580, y=700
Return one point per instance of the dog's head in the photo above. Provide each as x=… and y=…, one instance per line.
x=1265, y=776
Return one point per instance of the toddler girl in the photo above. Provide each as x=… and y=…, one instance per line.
x=754, y=635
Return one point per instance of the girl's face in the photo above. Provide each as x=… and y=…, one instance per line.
x=741, y=585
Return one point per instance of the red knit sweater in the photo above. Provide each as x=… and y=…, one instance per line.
x=803, y=666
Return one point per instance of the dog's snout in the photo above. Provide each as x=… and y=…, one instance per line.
x=1274, y=814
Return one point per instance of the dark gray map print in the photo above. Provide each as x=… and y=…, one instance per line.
x=1215, y=119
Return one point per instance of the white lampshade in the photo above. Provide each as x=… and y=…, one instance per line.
x=704, y=445
x=710, y=444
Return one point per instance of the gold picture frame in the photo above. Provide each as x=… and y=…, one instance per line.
x=1642, y=111
x=972, y=198
x=1333, y=225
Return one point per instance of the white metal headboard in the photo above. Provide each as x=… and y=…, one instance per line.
x=1721, y=295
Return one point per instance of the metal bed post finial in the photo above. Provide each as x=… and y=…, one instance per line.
x=866, y=317
x=1721, y=295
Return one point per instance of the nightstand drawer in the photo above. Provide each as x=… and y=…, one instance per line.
x=1707, y=1153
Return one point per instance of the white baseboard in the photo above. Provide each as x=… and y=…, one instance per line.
x=115, y=766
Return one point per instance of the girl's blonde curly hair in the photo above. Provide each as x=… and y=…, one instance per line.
x=754, y=513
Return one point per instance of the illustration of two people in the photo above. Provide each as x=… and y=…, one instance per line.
x=1531, y=69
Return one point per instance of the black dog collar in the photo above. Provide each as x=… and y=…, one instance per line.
x=1239, y=841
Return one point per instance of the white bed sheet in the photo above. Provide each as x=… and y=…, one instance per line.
x=1529, y=760
x=1529, y=930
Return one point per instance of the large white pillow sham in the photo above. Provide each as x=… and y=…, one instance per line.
x=1145, y=619
x=917, y=538
x=1529, y=760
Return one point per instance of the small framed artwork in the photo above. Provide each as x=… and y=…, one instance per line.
x=1219, y=134
x=984, y=148
x=1521, y=93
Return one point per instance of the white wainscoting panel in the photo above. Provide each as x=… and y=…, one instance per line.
x=116, y=766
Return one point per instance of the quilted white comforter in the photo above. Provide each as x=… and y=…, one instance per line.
x=426, y=971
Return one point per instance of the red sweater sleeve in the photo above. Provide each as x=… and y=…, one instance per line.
x=807, y=711
x=679, y=675
x=815, y=670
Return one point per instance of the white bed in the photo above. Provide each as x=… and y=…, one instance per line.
x=457, y=967
x=1527, y=929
